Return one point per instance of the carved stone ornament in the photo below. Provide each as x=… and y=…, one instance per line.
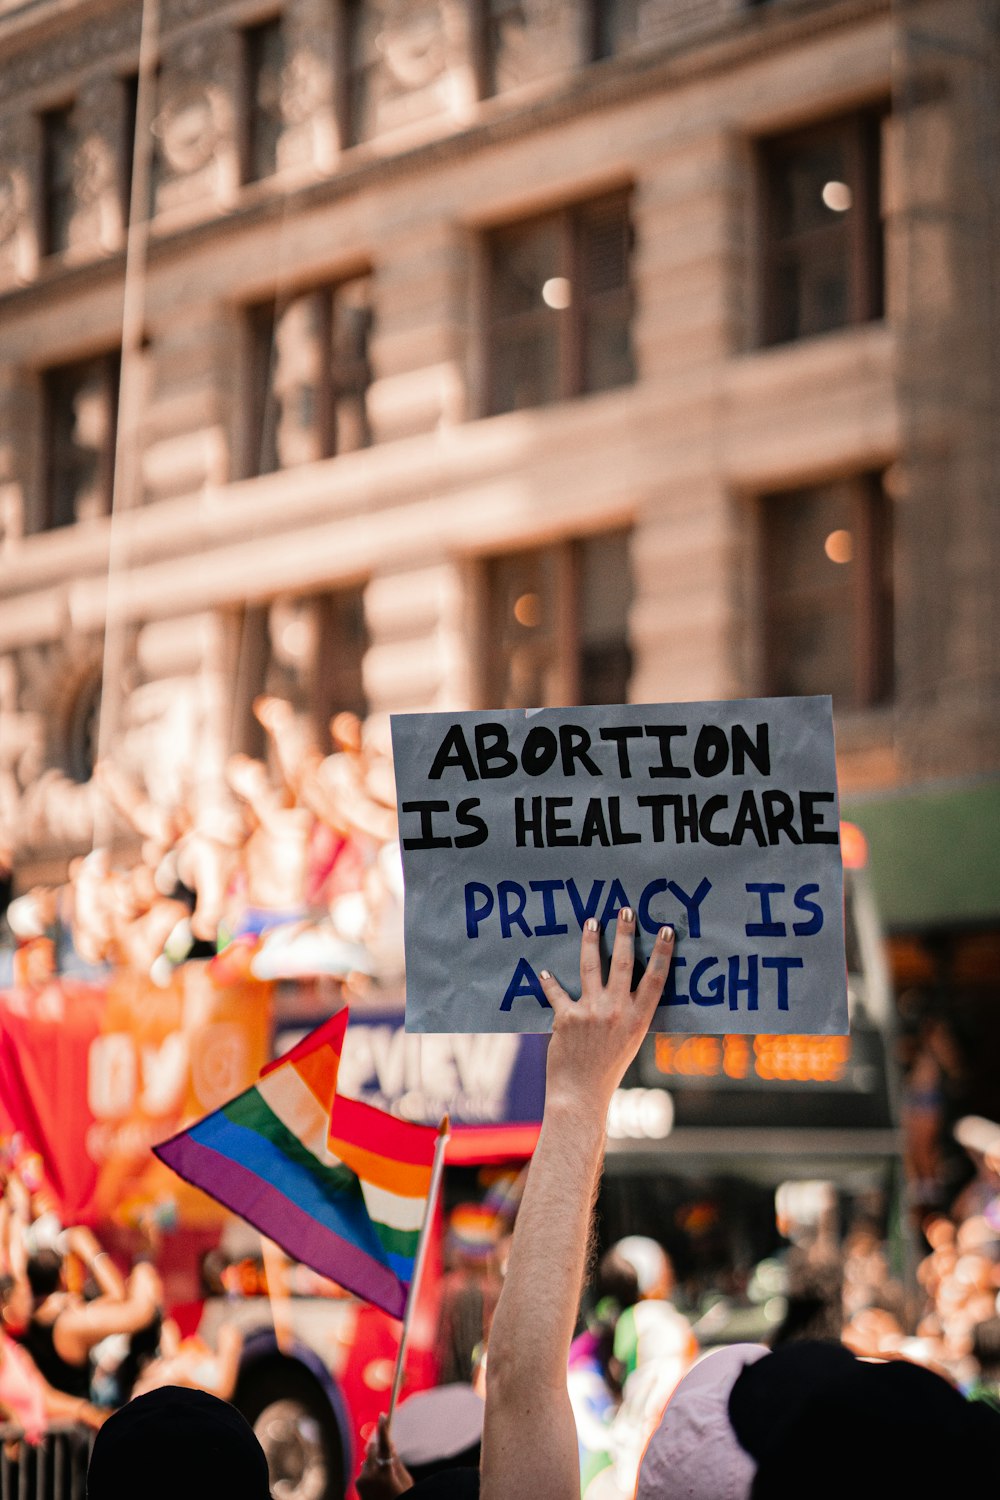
x=301, y=87
x=9, y=210
x=187, y=129
x=412, y=42
x=93, y=170
x=78, y=46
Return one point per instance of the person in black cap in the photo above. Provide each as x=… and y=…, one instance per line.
x=177, y=1442
x=821, y=1422
x=815, y=1420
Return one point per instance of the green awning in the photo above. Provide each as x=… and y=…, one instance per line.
x=934, y=853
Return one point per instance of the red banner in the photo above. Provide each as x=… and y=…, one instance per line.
x=91, y=1077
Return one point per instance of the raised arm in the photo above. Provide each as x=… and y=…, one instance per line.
x=529, y=1440
x=80, y=1327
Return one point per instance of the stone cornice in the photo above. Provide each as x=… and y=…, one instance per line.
x=614, y=82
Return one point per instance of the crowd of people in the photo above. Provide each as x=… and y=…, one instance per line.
x=637, y=1400
x=292, y=870
x=78, y=1338
x=895, y=1378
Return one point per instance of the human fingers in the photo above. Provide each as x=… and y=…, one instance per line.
x=375, y=1460
x=650, y=986
x=590, y=955
x=623, y=952
x=554, y=992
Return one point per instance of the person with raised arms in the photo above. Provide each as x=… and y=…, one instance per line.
x=529, y=1439
x=745, y=1423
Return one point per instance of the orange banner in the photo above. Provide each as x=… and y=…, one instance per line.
x=91, y=1078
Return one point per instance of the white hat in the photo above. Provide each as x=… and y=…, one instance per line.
x=693, y=1453
x=977, y=1134
x=648, y=1260
x=438, y=1424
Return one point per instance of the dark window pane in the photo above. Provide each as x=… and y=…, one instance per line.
x=812, y=294
x=310, y=376
x=361, y=28
x=614, y=26
x=265, y=61
x=510, y=58
x=83, y=727
x=523, y=667
x=58, y=149
x=262, y=457
x=525, y=260
x=342, y=640
x=130, y=110
x=350, y=334
x=823, y=248
x=526, y=367
x=607, y=348
x=557, y=624
x=828, y=596
x=307, y=649
x=81, y=415
x=561, y=306
x=800, y=177
x=605, y=595
x=603, y=248
x=603, y=237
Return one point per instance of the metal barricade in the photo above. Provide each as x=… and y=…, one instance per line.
x=53, y=1469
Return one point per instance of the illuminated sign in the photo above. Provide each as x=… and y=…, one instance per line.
x=772, y=1059
x=640, y=1115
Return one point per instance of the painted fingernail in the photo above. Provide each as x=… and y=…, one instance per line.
x=544, y=974
x=667, y=934
x=627, y=914
x=591, y=924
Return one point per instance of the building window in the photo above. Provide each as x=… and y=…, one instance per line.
x=264, y=62
x=502, y=46
x=80, y=416
x=359, y=72
x=556, y=626
x=823, y=254
x=560, y=305
x=309, y=376
x=130, y=115
x=614, y=26
x=827, y=560
x=82, y=729
x=58, y=200
x=308, y=650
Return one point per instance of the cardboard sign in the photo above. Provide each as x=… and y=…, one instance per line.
x=719, y=818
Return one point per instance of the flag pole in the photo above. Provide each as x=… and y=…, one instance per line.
x=437, y=1171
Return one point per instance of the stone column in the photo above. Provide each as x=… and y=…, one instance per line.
x=944, y=218
x=19, y=192
x=310, y=137
x=99, y=220
x=18, y=418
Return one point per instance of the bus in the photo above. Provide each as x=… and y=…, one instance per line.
x=707, y=1133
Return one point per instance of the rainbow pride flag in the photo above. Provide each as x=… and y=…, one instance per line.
x=339, y=1185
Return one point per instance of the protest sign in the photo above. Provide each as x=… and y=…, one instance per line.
x=718, y=818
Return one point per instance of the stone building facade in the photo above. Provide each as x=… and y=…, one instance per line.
x=484, y=352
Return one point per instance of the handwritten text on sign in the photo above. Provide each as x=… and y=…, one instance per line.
x=719, y=818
